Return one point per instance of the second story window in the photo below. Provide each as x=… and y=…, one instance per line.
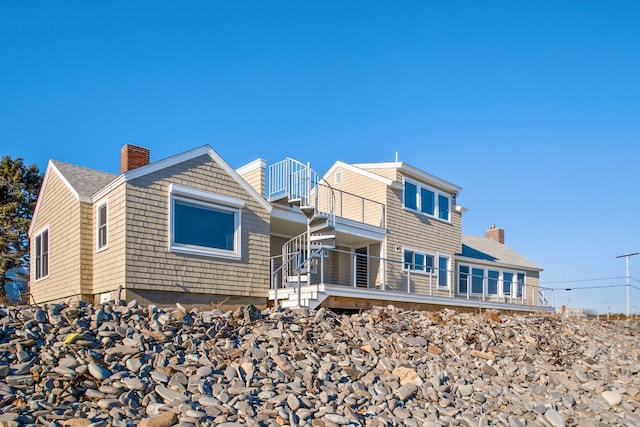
x=427, y=200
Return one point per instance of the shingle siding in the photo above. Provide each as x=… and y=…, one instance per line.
x=61, y=211
x=405, y=228
x=109, y=263
x=350, y=206
x=150, y=264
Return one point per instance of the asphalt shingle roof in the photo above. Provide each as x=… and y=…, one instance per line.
x=491, y=250
x=85, y=181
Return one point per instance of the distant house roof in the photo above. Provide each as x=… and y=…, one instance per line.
x=490, y=250
x=86, y=182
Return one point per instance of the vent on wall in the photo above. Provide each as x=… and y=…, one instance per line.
x=338, y=177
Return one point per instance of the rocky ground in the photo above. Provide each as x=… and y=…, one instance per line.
x=121, y=365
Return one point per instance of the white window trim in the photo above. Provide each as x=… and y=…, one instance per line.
x=35, y=239
x=434, y=267
x=436, y=193
x=485, y=281
x=212, y=201
x=98, y=206
x=448, y=271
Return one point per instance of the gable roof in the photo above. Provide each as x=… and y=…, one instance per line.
x=180, y=158
x=415, y=172
x=88, y=185
x=83, y=182
x=492, y=251
x=356, y=169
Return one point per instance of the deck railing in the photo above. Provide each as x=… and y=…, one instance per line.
x=292, y=180
x=371, y=272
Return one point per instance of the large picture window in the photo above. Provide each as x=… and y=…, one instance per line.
x=204, y=223
x=427, y=200
x=42, y=254
x=101, y=226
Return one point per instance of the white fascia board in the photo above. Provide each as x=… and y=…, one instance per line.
x=181, y=190
x=355, y=228
x=51, y=168
x=288, y=214
x=415, y=172
x=69, y=186
x=256, y=164
x=488, y=263
x=108, y=188
x=425, y=176
x=356, y=169
x=191, y=154
x=36, y=209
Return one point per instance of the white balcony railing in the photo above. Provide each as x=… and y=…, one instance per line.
x=392, y=276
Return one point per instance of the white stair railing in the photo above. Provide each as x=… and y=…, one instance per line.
x=297, y=182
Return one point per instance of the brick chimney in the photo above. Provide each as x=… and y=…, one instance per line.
x=495, y=234
x=132, y=157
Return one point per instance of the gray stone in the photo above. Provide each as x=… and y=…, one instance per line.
x=613, y=398
x=98, y=372
x=554, y=418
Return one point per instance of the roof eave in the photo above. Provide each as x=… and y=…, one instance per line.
x=498, y=264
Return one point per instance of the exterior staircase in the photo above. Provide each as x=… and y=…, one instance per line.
x=297, y=184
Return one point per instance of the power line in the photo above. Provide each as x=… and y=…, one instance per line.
x=584, y=280
x=590, y=287
x=594, y=287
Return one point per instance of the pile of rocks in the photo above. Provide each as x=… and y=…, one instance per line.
x=114, y=364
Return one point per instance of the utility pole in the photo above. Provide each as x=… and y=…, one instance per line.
x=626, y=256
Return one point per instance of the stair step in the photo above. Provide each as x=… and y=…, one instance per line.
x=317, y=237
x=289, y=304
x=304, y=295
x=326, y=245
x=304, y=278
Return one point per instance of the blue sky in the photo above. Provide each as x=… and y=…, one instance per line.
x=532, y=107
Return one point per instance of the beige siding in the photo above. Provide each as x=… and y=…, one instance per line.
x=350, y=206
x=152, y=267
x=405, y=229
x=61, y=211
x=276, y=243
x=413, y=230
x=109, y=264
x=255, y=178
x=389, y=173
x=86, y=249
